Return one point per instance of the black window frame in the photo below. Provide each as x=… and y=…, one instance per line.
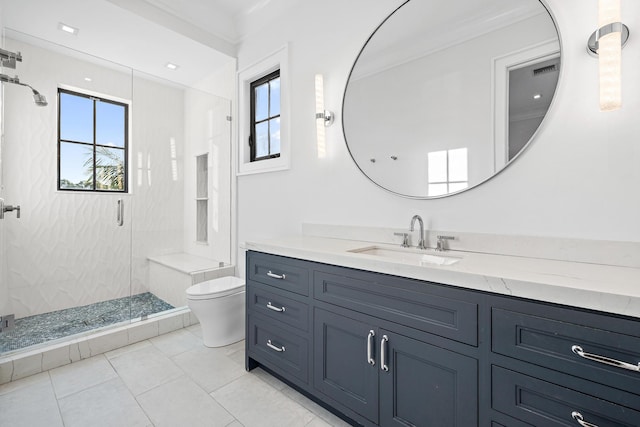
x=94, y=145
x=252, y=102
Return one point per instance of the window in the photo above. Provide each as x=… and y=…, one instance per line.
x=273, y=146
x=447, y=171
x=264, y=138
x=92, y=143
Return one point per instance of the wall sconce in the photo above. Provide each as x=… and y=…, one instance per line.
x=607, y=43
x=324, y=118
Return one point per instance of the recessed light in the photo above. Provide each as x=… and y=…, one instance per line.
x=537, y=96
x=172, y=66
x=68, y=29
x=88, y=79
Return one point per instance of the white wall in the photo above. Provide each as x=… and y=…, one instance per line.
x=579, y=179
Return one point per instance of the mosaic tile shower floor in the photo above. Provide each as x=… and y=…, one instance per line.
x=59, y=324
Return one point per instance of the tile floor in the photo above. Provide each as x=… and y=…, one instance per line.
x=169, y=380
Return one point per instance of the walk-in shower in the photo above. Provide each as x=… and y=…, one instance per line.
x=84, y=256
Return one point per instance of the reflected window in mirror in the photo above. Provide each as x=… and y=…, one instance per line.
x=447, y=171
x=264, y=136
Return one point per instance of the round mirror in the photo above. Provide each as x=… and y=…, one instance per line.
x=446, y=94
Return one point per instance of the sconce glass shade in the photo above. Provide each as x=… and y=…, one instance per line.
x=324, y=117
x=320, y=132
x=610, y=57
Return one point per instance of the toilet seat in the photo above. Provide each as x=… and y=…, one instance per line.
x=216, y=288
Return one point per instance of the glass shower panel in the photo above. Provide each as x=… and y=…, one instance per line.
x=66, y=260
x=181, y=224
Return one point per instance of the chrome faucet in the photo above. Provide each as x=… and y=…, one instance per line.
x=442, y=242
x=421, y=244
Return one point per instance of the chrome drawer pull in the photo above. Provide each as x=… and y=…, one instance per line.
x=276, y=276
x=383, y=353
x=273, y=347
x=580, y=419
x=274, y=308
x=602, y=359
x=370, y=360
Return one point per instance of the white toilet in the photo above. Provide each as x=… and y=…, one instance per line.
x=219, y=305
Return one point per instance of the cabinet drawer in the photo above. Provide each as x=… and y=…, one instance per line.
x=402, y=301
x=548, y=342
x=279, y=349
x=541, y=403
x=277, y=307
x=284, y=273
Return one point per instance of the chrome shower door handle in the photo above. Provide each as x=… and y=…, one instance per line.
x=120, y=213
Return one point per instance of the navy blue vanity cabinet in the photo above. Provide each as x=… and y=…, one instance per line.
x=388, y=348
x=391, y=379
x=383, y=350
x=379, y=349
x=558, y=366
x=278, y=316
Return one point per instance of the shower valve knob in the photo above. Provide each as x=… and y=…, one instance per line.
x=9, y=208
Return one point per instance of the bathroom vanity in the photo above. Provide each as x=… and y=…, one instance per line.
x=385, y=342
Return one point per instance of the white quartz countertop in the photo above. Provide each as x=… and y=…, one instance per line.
x=599, y=287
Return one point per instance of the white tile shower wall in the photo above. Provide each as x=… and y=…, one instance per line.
x=576, y=180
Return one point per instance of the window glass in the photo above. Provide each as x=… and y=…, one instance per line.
x=458, y=165
x=262, y=139
x=262, y=102
x=74, y=161
x=274, y=135
x=274, y=97
x=109, y=169
x=76, y=118
x=437, y=164
x=110, y=126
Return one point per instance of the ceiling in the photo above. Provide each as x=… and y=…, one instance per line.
x=201, y=36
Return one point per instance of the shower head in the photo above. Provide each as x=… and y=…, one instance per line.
x=41, y=100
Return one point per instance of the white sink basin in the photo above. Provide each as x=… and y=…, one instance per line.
x=407, y=256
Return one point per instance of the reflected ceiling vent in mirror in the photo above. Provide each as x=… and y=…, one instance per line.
x=607, y=43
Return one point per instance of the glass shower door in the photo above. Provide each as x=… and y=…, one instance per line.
x=66, y=260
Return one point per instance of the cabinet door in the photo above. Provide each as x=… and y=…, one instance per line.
x=425, y=385
x=341, y=368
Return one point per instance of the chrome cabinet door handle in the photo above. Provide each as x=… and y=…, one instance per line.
x=276, y=276
x=274, y=308
x=273, y=347
x=580, y=419
x=605, y=360
x=383, y=353
x=370, y=338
